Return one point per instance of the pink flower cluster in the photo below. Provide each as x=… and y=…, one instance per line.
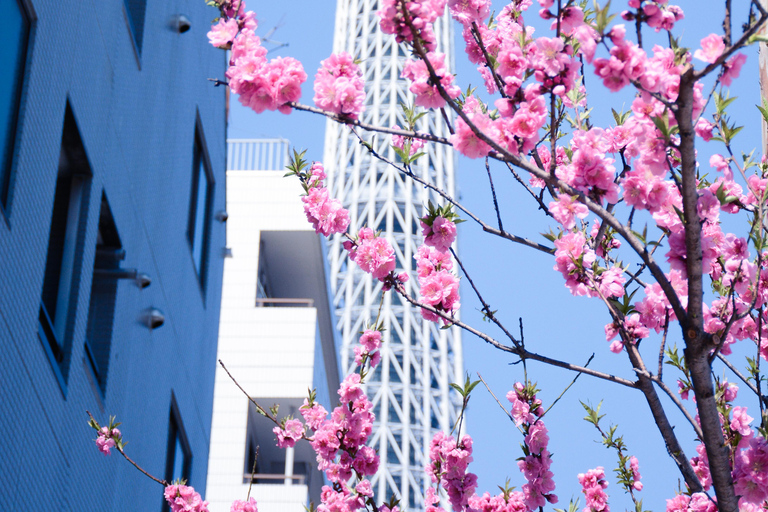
x=339, y=86
x=697, y=502
x=261, y=84
x=420, y=14
x=244, y=506
x=183, y=498
x=339, y=443
x=107, y=439
x=368, y=349
x=448, y=466
x=526, y=409
x=291, y=432
x=372, y=254
x=439, y=287
x=576, y=261
x=438, y=232
x=593, y=486
x=427, y=94
x=325, y=214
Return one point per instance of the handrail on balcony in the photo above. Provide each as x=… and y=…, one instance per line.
x=265, y=302
x=299, y=479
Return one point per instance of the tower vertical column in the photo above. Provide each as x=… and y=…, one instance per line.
x=410, y=388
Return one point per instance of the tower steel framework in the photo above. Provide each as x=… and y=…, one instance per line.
x=410, y=389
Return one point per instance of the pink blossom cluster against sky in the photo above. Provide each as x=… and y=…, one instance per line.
x=554, y=322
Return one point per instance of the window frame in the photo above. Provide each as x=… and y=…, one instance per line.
x=103, y=300
x=200, y=163
x=8, y=162
x=176, y=435
x=74, y=181
x=136, y=26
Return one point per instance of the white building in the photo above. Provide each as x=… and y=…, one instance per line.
x=275, y=336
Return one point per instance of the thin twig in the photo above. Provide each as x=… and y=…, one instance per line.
x=520, y=352
x=743, y=379
x=161, y=482
x=486, y=307
x=567, y=387
x=493, y=193
x=253, y=473
x=261, y=410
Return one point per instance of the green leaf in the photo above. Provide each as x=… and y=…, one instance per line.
x=764, y=110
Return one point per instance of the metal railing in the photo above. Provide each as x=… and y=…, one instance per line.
x=273, y=478
x=257, y=154
x=267, y=302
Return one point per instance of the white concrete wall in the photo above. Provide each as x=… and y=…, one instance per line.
x=269, y=350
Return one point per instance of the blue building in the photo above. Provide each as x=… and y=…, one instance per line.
x=112, y=197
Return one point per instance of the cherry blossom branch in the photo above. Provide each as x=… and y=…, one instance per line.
x=738, y=45
x=369, y=127
x=743, y=378
x=566, y=388
x=727, y=23
x=538, y=199
x=645, y=384
x=502, y=154
x=663, y=344
x=261, y=410
x=509, y=415
x=487, y=228
x=493, y=193
x=698, y=343
x=520, y=352
x=487, y=311
x=163, y=482
x=496, y=78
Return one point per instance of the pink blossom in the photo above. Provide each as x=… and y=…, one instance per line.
x=467, y=143
x=422, y=14
x=427, y=95
x=370, y=340
x=704, y=129
x=741, y=420
x=750, y=471
x=223, y=33
x=339, y=86
x=634, y=466
x=106, y=439
x=468, y=11
x=567, y=209
x=375, y=256
x=593, y=486
x=732, y=68
x=244, y=506
x=313, y=415
x=440, y=234
x=325, y=214
x=712, y=47
x=288, y=435
x=183, y=498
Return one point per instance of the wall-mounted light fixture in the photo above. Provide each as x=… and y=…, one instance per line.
x=181, y=23
x=153, y=318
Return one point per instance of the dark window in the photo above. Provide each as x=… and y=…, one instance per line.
x=136, y=10
x=65, y=247
x=200, y=206
x=178, y=461
x=14, y=25
x=101, y=311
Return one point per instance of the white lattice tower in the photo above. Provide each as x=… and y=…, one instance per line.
x=410, y=389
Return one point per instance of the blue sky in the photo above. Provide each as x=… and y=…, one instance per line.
x=519, y=282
